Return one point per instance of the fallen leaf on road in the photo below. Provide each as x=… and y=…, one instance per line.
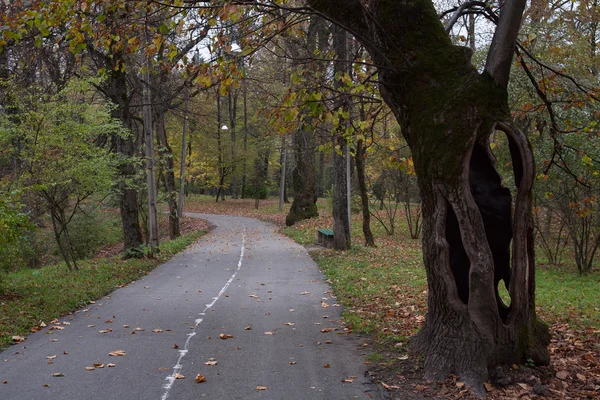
x=303, y=293
x=111, y=365
x=51, y=357
x=211, y=362
x=90, y=326
x=326, y=366
x=346, y=380
x=261, y=388
x=4, y=382
x=225, y=336
x=175, y=346
x=254, y=296
x=328, y=342
x=98, y=365
x=42, y=324
x=117, y=353
x=268, y=333
x=105, y=330
x=324, y=305
x=157, y=330
x=58, y=374
x=125, y=326
x=292, y=362
x=89, y=368
x=56, y=328
x=138, y=329
x=326, y=330
x=200, y=378
x=179, y=376
x=18, y=339
x=248, y=328
x=289, y=324
x=54, y=340
x=292, y=309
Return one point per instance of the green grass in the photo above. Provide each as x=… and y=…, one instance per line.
x=384, y=289
x=35, y=295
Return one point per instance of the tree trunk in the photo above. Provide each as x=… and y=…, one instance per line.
x=152, y=238
x=220, y=160
x=232, y=107
x=245, y=159
x=282, y=172
x=183, y=156
x=128, y=194
x=447, y=112
x=341, y=215
x=304, y=205
x=166, y=155
x=360, y=158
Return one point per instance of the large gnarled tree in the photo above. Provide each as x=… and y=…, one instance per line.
x=447, y=111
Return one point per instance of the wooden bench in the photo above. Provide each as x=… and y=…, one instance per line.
x=325, y=238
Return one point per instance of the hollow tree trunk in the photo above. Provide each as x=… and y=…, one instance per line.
x=447, y=111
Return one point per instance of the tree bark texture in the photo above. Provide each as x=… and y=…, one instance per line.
x=341, y=215
x=116, y=87
x=166, y=157
x=364, y=194
x=304, y=205
x=447, y=112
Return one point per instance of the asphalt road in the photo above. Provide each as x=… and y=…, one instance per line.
x=242, y=280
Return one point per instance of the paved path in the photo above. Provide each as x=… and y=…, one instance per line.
x=244, y=280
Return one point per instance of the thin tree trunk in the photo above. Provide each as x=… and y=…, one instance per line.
x=150, y=178
x=245, y=166
x=166, y=154
x=360, y=158
x=341, y=215
x=232, y=107
x=221, y=167
x=183, y=154
x=283, y=169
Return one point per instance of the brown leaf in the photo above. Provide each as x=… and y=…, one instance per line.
x=89, y=368
x=56, y=328
x=175, y=346
x=326, y=330
x=98, y=365
x=261, y=387
x=488, y=386
x=42, y=324
x=17, y=339
x=581, y=377
x=58, y=374
x=111, y=365
x=157, y=330
x=326, y=366
x=117, y=353
x=179, y=376
x=200, y=378
x=289, y=323
x=225, y=336
x=210, y=362
x=51, y=357
x=268, y=333
x=346, y=380
x=4, y=382
x=303, y=293
x=248, y=328
x=292, y=362
x=562, y=375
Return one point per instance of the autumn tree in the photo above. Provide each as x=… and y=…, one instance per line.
x=447, y=110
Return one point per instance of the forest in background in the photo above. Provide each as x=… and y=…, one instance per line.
x=114, y=111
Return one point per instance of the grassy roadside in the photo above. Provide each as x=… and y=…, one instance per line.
x=35, y=295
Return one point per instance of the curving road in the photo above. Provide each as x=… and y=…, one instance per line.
x=242, y=280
